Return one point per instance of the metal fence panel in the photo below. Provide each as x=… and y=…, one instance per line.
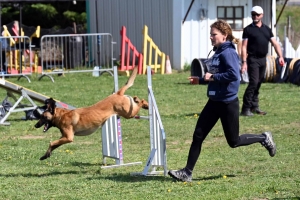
x=16, y=57
x=76, y=53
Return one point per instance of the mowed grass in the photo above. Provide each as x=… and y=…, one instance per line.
x=74, y=170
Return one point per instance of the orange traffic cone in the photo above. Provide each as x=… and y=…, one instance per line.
x=168, y=66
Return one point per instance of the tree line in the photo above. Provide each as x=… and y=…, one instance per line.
x=57, y=15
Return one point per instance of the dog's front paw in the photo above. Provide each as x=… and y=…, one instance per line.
x=45, y=156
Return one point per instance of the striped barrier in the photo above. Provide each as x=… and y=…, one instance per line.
x=147, y=52
x=127, y=63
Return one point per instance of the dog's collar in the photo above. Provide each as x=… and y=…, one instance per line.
x=131, y=100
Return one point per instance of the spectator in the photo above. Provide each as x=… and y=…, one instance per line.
x=256, y=38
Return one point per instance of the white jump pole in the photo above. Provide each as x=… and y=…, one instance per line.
x=158, y=154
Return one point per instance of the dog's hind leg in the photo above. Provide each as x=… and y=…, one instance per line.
x=55, y=144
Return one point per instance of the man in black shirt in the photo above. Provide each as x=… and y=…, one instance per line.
x=256, y=38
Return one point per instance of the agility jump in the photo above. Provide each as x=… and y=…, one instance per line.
x=112, y=139
x=24, y=93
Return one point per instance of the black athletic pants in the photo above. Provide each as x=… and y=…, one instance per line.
x=229, y=114
x=256, y=68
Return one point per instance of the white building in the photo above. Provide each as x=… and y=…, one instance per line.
x=178, y=31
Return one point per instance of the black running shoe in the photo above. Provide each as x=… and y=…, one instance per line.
x=181, y=175
x=269, y=144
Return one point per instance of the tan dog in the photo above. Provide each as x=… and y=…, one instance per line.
x=84, y=121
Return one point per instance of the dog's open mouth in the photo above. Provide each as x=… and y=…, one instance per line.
x=46, y=127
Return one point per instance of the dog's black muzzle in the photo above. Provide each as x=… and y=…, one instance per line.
x=39, y=123
x=37, y=113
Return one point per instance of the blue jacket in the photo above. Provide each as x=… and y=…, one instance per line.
x=226, y=70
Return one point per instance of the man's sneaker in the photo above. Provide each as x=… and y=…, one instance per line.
x=181, y=175
x=246, y=113
x=258, y=111
x=269, y=143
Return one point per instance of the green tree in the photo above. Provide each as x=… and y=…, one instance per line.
x=56, y=14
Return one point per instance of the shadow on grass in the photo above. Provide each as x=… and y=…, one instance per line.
x=182, y=115
x=191, y=114
x=214, y=177
x=287, y=198
x=81, y=164
x=137, y=178
x=133, y=178
x=185, y=83
x=40, y=174
x=115, y=176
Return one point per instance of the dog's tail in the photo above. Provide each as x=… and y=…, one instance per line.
x=129, y=82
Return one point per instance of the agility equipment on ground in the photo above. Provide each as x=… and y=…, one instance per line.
x=24, y=93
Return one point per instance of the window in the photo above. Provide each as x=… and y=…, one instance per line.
x=232, y=15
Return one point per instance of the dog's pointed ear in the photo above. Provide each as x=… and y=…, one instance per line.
x=46, y=101
x=51, y=105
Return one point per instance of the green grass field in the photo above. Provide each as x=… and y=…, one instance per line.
x=282, y=24
x=74, y=170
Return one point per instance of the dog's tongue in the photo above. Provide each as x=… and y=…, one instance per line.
x=46, y=127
